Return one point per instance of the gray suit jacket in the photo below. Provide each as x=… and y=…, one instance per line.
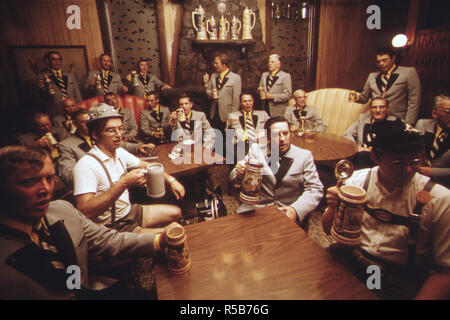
x=440, y=164
x=199, y=130
x=114, y=83
x=356, y=129
x=259, y=118
x=291, y=114
x=281, y=89
x=149, y=123
x=27, y=139
x=79, y=241
x=72, y=149
x=153, y=84
x=228, y=95
x=129, y=123
x=55, y=101
x=297, y=183
x=403, y=92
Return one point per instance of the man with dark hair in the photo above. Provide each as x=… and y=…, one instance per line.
x=154, y=120
x=399, y=85
x=129, y=121
x=104, y=80
x=277, y=87
x=437, y=141
x=101, y=179
x=144, y=82
x=224, y=88
x=289, y=176
x=43, y=240
x=404, y=222
x=63, y=83
x=194, y=126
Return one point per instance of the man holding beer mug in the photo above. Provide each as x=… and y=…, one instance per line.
x=404, y=223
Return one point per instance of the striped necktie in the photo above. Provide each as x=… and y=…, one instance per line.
x=249, y=127
x=46, y=243
x=145, y=80
x=61, y=84
x=437, y=144
x=105, y=75
x=384, y=81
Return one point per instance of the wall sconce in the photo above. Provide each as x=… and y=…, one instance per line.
x=304, y=9
x=399, y=41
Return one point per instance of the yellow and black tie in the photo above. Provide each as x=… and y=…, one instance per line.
x=105, y=75
x=61, y=84
x=249, y=127
x=438, y=142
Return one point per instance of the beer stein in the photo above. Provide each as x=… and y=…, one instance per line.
x=162, y=137
x=248, y=23
x=199, y=23
x=48, y=85
x=155, y=180
x=211, y=28
x=251, y=183
x=50, y=139
x=205, y=79
x=134, y=78
x=215, y=94
x=98, y=81
x=224, y=28
x=178, y=259
x=262, y=93
x=235, y=28
x=181, y=116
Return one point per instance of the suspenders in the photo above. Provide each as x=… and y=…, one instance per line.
x=412, y=222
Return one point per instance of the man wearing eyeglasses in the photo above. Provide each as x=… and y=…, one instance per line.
x=437, y=141
x=102, y=178
x=404, y=224
x=63, y=83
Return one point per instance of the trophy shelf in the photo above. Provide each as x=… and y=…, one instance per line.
x=208, y=44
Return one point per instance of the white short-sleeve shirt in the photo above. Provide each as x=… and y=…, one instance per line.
x=90, y=177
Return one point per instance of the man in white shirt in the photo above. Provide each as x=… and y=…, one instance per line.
x=101, y=179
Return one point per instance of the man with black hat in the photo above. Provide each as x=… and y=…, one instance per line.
x=404, y=224
x=102, y=179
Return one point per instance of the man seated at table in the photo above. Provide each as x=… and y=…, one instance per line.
x=191, y=124
x=74, y=147
x=129, y=122
x=101, y=179
x=289, y=176
x=409, y=241
x=65, y=120
x=360, y=130
x=154, y=121
x=247, y=124
x=294, y=113
x=41, y=239
x=437, y=141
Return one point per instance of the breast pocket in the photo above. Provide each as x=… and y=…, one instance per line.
x=295, y=177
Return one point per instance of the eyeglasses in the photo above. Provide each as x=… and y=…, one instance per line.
x=404, y=163
x=56, y=59
x=447, y=111
x=114, y=131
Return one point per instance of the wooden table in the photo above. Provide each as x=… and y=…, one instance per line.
x=326, y=146
x=187, y=164
x=259, y=255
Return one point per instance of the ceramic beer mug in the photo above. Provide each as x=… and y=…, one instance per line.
x=211, y=28
x=224, y=28
x=251, y=183
x=198, y=21
x=248, y=23
x=235, y=28
x=155, y=180
x=178, y=259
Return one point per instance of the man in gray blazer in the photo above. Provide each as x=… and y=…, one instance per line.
x=399, y=85
x=143, y=82
x=65, y=120
x=300, y=109
x=277, y=87
x=47, y=245
x=104, y=80
x=155, y=120
x=224, y=88
x=63, y=84
x=194, y=126
x=289, y=176
x=437, y=141
x=129, y=121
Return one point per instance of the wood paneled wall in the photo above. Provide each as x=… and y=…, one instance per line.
x=43, y=23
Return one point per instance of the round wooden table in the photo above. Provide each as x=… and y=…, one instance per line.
x=326, y=146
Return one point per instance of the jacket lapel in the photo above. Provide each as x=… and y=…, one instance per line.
x=285, y=165
x=391, y=81
x=63, y=243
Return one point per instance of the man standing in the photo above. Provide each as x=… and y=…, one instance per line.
x=399, y=85
x=246, y=123
x=101, y=179
x=224, y=88
x=144, y=82
x=437, y=141
x=154, y=121
x=99, y=82
x=129, y=121
x=63, y=83
x=194, y=126
x=294, y=113
x=277, y=87
x=289, y=176
x=404, y=223
x=65, y=120
x=41, y=239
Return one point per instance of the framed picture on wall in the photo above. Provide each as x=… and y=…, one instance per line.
x=30, y=59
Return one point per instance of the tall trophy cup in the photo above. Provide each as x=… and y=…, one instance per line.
x=199, y=23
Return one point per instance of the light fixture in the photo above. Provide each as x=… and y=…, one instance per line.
x=304, y=9
x=399, y=41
